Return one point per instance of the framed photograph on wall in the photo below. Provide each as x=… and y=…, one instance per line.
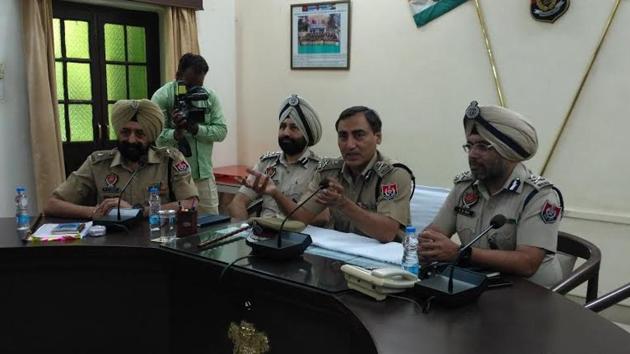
x=320, y=35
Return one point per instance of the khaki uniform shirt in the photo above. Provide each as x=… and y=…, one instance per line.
x=381, y=188
x=469, y=208
x=103, y=175
x=290, y=179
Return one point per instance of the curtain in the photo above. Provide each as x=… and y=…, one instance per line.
x=39, y=57
x=181, y=37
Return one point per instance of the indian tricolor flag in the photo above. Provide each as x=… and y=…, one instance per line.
x=425, y=11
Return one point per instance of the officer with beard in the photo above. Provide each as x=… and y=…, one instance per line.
x=497, y=141
x=94, y=189
x=290, y=169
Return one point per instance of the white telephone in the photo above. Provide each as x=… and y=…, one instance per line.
x=378, y=282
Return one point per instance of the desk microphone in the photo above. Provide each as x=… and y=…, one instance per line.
x=288, y=244
x=439, y=286
x=496, y=222
x=119, y=221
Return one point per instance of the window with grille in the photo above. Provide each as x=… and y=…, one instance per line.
x=102, y=55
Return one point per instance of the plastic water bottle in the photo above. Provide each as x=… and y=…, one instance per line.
x=154, y=209
x=410, y=253
x=22, y=218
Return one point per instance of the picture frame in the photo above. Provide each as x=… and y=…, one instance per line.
x=320, y=36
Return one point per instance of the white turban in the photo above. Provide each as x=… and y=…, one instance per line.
x=304, y=116
x=511, y=134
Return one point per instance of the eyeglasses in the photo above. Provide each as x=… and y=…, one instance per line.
x=481, y=147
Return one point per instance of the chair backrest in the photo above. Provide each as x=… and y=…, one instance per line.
x=586, y=272
x=425, y=204
x=609, y=299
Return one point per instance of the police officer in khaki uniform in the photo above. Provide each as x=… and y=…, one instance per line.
x=363, y=191
x=291, y=169
x=94, y=189
x=498, y=140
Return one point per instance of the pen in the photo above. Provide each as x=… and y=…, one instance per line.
x=36, y=223
x=208, y=243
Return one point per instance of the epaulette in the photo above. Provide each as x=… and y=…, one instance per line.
x=327, y=163
x=270, y=154
x=382, y=168
x=538, y=182
x=311, y=157
x=463, y=177
x=169, y=152
x=98, y=156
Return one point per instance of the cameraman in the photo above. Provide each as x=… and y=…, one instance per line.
x=196, y=136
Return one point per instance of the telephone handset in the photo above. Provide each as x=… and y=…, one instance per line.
x=378, y=282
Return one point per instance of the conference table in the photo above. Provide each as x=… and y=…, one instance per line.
x=122, y=293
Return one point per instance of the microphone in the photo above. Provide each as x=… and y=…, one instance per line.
x=441, y=287
x=497, y=222
x=140, y=165
x=288, y=244
x=322, y=185
x=120, y=222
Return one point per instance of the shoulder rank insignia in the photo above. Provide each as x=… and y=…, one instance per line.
x=538, y=181
x=270, y=155
x=101, y=156
x=462, y=177
x=181, y=167
x=327, y=163
x=390, y=191
x=550, y=213
x=382, y=168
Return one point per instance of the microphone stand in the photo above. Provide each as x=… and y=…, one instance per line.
x=140, y=165
x=496, y=222
x=323, y=184
x=459, y=255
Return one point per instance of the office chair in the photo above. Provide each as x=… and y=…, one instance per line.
x=609, y=299
x=574, y=246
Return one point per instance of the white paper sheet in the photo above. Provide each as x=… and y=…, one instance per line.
x=356, y=245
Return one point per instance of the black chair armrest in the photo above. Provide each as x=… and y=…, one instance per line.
x=588, y=271
x=609, y=299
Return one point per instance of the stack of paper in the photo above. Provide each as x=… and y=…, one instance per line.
x=356, y=245
x=44, y=233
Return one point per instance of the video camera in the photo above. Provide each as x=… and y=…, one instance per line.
x=184, y=98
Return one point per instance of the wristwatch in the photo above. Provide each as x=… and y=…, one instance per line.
x=464, y=258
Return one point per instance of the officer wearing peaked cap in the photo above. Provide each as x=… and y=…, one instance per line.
x=288, y=171
x=497, y=141
x=94, y=189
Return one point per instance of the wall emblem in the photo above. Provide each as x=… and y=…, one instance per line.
x=549, y=10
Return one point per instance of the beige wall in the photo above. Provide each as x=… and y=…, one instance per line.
x=217, y=44
x=421, y=80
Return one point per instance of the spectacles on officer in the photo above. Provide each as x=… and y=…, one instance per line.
x=480, y=146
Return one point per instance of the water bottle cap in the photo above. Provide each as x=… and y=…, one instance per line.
x=20, y=189
x=153, y=189
x=410, y=229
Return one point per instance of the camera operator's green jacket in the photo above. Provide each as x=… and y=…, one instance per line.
x=212, y=129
